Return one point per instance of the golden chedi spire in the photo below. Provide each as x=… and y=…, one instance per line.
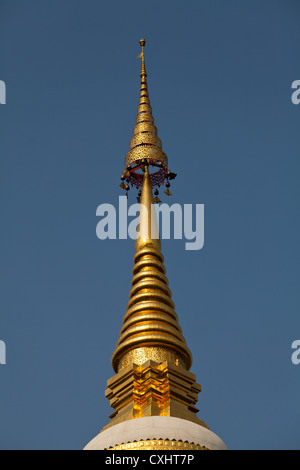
x=150, y=327
x=152, y=381
x=151, y=342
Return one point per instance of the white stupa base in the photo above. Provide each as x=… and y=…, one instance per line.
x=156, y=427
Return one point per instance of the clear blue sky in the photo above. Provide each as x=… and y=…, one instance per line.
x=219, y=76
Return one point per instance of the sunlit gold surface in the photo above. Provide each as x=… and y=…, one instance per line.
x=151, y=358
x=145, y=143
x=159, y=444
x=150, y=319
x=153, y=389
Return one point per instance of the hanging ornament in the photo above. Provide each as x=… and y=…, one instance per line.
x=156, y=199
x=167, y=191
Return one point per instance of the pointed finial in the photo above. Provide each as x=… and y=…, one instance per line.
x=145, y=145
x=143, y=71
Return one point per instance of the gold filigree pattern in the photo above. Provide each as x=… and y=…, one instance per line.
x=145, y=138
x=145, y=127
x=141, y=355
x=147, y=152
x=159, y=444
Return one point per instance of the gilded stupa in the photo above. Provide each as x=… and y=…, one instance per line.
x=153, y=393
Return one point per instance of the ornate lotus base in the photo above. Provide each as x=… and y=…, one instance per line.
x=159, y=444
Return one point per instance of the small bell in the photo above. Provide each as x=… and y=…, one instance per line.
x=168, y=192
x=123, y=185
x=156, y=199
